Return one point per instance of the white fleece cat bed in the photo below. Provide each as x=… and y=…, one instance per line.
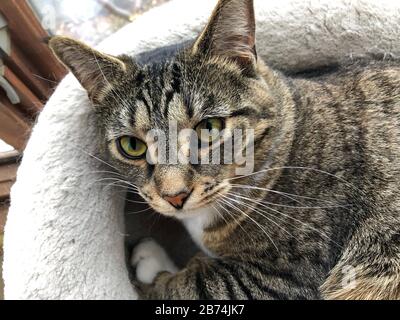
x=64, y=234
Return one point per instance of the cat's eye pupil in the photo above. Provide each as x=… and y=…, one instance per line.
x=133, y=143
x=209, y=125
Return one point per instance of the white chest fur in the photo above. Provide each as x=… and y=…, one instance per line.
x=196, y=223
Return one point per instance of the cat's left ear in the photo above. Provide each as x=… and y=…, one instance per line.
x=230, y=33
x=97, y=72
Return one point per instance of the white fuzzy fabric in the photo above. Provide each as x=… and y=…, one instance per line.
x=63, y=236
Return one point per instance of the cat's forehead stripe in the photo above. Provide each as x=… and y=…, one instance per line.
x=158, y=88
x=173, y=90
x=176, y=77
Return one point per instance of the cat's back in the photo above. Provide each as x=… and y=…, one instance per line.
x=365, y=84
x=349, y=117
x=363, y=95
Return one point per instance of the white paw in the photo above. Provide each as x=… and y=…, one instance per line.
x=150, y=258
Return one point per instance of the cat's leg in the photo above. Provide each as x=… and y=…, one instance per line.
x=370, y=266
x=196, y=281
x=207, y=278
x=149, y=259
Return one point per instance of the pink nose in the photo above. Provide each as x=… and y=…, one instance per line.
x=178, y=200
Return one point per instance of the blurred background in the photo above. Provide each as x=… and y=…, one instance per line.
x=29, y=73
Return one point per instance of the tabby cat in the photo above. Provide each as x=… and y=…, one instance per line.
x=318, y=218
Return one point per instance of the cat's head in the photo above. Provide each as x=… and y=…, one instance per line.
x=216, y=83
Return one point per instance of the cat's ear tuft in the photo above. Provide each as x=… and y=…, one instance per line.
x=230, y=33
x=97, y=72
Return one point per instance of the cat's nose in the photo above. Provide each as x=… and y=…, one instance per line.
x=177, y=200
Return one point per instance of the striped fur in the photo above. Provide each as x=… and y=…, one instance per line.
x=324, y=199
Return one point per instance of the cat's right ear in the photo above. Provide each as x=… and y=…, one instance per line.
x=230, y=33
x=97, y=72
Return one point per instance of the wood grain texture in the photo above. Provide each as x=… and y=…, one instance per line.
x=15, y=128
x=3, y=216
x=21, y=19
x=29, y=104
x=28, y=73
x=8, y=173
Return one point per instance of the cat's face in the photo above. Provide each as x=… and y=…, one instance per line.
x=184, y=93
x=212, y=86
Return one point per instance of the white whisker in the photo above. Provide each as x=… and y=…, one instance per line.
x=262, y=214
x=288, y=206
x=287, y=195
x=226, y=200
x=296, y=168
x=297, y=220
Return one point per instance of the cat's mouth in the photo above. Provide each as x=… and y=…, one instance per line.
x=186, y=204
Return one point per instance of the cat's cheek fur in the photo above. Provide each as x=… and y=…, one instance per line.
x=149, y=259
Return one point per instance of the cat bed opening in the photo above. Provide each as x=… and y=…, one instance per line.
x=68, y=232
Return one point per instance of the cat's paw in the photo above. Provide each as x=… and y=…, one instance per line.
x=149, y=259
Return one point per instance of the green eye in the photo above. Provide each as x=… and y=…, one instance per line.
x=213, y=125
x=131, y=147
